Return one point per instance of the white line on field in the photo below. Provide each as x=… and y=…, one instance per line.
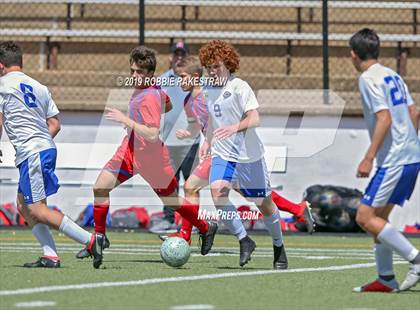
x=55, y=288
x=193, y=307
x=35, y=304
x=141, y=246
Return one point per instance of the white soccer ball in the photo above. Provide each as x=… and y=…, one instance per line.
x=175, y=251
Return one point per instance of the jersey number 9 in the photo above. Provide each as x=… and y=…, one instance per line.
x=217, y=110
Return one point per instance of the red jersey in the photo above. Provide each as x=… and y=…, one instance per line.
x=145, y=108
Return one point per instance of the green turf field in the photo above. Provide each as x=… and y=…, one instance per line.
x=322, y=271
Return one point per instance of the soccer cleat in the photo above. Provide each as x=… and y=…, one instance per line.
x=207, y=239
x=83, y=253
x=95, y=248
x=44, y=262
x=412, y=277
x=307, y=217
x=179, y=234
x=280, y=258
x=246, y=247
x=376, y=286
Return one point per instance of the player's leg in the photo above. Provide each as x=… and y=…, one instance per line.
x=176, y=156
x=192, y=188
x=183, y=159
x=104, y=184
x=389, y=186
x=37, y=181
x=42, y=233
x=158, y=172
x=222, y=177
x=254, y=183
x=197, y=180
x=116, y=171
x=301, y=211
x=373, y=220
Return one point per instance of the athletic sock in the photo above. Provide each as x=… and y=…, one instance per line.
x=232, y=222
x=384, y=266
x=397, y=242
x=187, y=226
x=74, y=231
x=286, y=205
x=190, y=212
x=100, y=212
x=43, y=235
x=416, y=260
x=272, y=223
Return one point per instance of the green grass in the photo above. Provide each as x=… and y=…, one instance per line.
x=304, y=290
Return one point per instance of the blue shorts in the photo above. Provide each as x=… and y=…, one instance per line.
x=250, y=178
x=37, y=179
x=391, y=185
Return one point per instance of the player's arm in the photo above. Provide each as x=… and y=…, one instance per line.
x=151, y=134
x=251, y=120
x=192, y=130
x=383, y=124
x=415, y=116
x=54, y=125
x=205, y=148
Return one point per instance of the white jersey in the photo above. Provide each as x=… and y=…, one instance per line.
x=383, y=89
x=227, y=106
x=26, y=105
x=176, y=118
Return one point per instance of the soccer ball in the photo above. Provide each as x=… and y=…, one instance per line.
x=175, y=251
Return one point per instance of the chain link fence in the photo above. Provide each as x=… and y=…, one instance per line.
x=80, y=47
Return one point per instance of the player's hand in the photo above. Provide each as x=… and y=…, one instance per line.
x=117, y=116
x=204, y=151
x=225, y=132
x=183, y=134
x=365, y=167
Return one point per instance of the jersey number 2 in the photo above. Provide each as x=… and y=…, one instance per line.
x=28, y=95
x=397, y=90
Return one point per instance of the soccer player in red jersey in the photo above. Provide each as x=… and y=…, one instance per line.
x=142, y=152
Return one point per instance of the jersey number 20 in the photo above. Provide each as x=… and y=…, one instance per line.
x=397, y=90
x=28, y=95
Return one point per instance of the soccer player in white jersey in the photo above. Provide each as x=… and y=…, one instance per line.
x=30, y=120
x=237, y=152
x=392, y=120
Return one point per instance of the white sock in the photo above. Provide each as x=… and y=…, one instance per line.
x=74, y=231
x=234, y=224
x=43, y=235
x=397, y=242
x=383, y=256
x=272, y=223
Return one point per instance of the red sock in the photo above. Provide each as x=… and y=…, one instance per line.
x=286, y=205
x=186, y=227
x=100, y=211
x=190, y=213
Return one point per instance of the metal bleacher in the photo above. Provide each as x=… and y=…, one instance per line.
x=285, y=46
